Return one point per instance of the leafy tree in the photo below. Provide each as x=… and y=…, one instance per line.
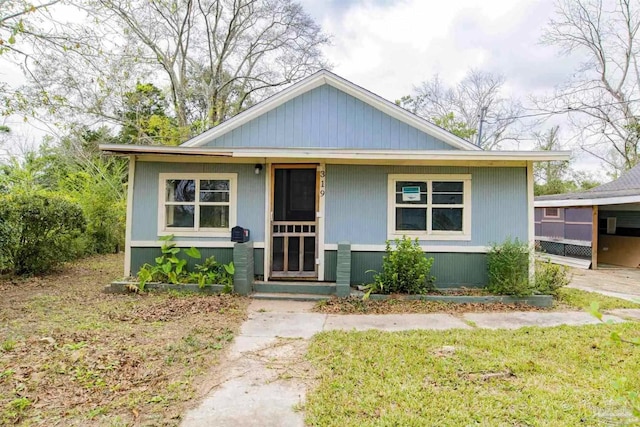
x=75, y=170
x=557, y=177
x=145, y=119
x=456, y=127
x=601, y=97
x=466, y=100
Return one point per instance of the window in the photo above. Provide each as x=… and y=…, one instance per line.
x=435, y=207
x=551, y=213
x=197, y=204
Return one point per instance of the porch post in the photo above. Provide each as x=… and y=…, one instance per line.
x=594, y=237
x=243, y=263
x=343, y=273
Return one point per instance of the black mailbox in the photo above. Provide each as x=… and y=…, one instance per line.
x=239, y=234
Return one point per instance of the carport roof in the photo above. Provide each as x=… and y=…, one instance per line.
x=625, y=189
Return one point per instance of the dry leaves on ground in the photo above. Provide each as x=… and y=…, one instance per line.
x=72, y=355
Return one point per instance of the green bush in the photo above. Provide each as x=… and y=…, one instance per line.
x=43, y=231
x=550, y=277
x=103, y=203
x=7, y=241
x=405, y=269
x=508, y=268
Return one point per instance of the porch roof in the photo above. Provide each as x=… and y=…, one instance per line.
x=353, y=156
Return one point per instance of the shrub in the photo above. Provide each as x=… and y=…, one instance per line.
x=101, y=197
x=405, y=269
x=550, y=277
x=43, y=231
x=508, y=267
x=7, y=242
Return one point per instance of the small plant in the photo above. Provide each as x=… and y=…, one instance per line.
x=550, y=277
x=405, y=269
x=213, y=272
x=508, y=266
x=8, y=345
x=169, y=267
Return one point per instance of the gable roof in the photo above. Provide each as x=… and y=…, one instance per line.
x=324, y=77
x=625, y=189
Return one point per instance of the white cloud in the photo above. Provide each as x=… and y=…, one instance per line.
x=390, y=46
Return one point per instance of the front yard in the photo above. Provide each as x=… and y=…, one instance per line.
x=558, y=376
x=73, y=355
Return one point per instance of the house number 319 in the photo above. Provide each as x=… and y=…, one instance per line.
x=323, y=174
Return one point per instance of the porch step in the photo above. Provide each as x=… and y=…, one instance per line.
x=289, y=296
x=316, y=288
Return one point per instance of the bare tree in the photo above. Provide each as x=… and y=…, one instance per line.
x=214, y=57
x=433, y=99
x=548, y=172
x=603, y=96
x=15, y=17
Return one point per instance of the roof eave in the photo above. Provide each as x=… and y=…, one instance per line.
x=302, y=153
x=567, y=203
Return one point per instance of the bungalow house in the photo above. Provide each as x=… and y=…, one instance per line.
x=321, y=174
x=600, y=225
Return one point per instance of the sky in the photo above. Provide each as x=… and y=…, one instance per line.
x=389, y=46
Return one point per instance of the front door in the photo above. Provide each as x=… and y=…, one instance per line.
x=293, y=222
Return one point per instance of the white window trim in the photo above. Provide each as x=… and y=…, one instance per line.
x=205, y=232
x=551, y=216
x=429, y=234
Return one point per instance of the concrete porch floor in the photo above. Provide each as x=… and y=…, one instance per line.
x=613, y=281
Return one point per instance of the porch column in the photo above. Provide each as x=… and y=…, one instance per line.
x=243, y=263
x=343, y=273
x=594, y=237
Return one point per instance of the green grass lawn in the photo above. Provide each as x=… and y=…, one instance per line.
x=579, y=299
x=558, y=376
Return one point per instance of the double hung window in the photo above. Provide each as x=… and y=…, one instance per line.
x=202, y=204
x=430, y=206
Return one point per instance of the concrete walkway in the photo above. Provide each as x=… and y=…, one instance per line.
x=616, y=282
x=265, y=376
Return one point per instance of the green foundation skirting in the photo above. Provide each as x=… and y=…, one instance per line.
x=451, y=270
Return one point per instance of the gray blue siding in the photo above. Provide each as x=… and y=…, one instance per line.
x=145, y=197
x=326, y=117
x=356, y=203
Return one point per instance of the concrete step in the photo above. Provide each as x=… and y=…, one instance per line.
x=317, y=288
x=289, y=296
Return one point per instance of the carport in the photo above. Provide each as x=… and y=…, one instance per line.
x=597, y=226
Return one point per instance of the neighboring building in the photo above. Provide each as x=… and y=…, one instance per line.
x=324, y=162
x=601, y=225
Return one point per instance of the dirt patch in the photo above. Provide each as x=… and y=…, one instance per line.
x=356, y=305
x=72, y=355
